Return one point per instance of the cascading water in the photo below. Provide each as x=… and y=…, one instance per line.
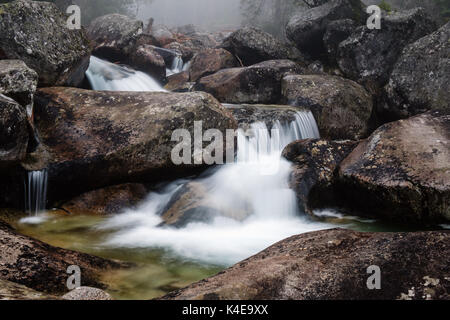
x=106, y=76
x=36, y=191
x=178, y=66
x=254, y=189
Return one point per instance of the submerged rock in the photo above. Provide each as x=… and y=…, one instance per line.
x=368, y=56
x=14, y=291
x=18, y=82
x=97, y=139
x=145, y=58
x=13, y=132
x=402, y=171
x=333, y=265
x=307, y=28
x=342, y=108
x=36, y=32
x=209, y=61
x=106, y=201
x=42, y=267
x=421, y=77
x=252, y=45
x=87, y=293
x=114, y=36
x=259, y=83
x=315, y=164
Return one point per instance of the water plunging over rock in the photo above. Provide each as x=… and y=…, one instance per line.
x=36, y=191
x=106, y=76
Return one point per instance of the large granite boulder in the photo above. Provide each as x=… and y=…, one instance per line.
x=259, y=83
x=334, y=265
x=96, y=139
x=402, y=171
x=18, y=82
x=420, y=79
x=342, y=108
x=42, y=267
x=87, y=294
x=209, y=61
x=252, y=45
x=315, y=163
x=14, y=291
x=307, y=28
x=368, y=56
x=114, y=36
x=36, y=32
x=336, y=32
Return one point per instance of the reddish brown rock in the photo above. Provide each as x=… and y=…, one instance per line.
x=209, y=61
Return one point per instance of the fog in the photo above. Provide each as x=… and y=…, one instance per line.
x=206, y=14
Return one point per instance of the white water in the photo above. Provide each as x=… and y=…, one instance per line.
x=177, y=66
x=106, y=76
x=256, y=184
x=36, y=191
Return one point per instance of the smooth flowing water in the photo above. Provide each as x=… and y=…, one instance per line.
x=35, y=191
x=107, y=76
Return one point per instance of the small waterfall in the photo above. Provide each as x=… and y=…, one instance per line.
x=254, y=189
x=177, y=66
x=106, y=76
x=36, y=191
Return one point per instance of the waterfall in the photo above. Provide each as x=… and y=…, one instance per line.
x=106, y=76
x=258, y=207
x=177, y=66
x=35, y=191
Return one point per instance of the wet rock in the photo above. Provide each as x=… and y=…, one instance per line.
x=194, y=202
x=209, y=61
x=178, y=82
x=332, y=265
x=307, y=28
x=114, y=36
x=342, y=108
x=252, y=45
x=186, y=52
x=259, y=83
x=106, y=201
x=13, y=132
x=18, y=82
x=36, y=33
x=146, y=39
x=97, y=139
x=401, y=172
x=14, y=291
x=41, y=267
x=247, y=114
x=163, y=35
x=336, y=32
x=421, y=77
x=146, y=59
x=87, y=293
x=368, y=56
x=315, y=164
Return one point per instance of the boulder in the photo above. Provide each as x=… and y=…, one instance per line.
x=307, y=28
x=42, y=267
x=87, y=294
x=421, y=77
x=315, y=164
x=187, y=29
x=178, y=82
x=333, y=265
x=14, y=291
x=14, y=132
x=36, y=33
x=163, y=35
x=146, y=39
x=96, y=139
x=106, y=201
x=259, y=83
x=252, y=45
x=145, y=58
x=336, y=32
x=209, y=61
x=401, y=172
x=186, y=52
x=342, y=108
x=114, y=36
x=18, y=82
x=368, y=56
